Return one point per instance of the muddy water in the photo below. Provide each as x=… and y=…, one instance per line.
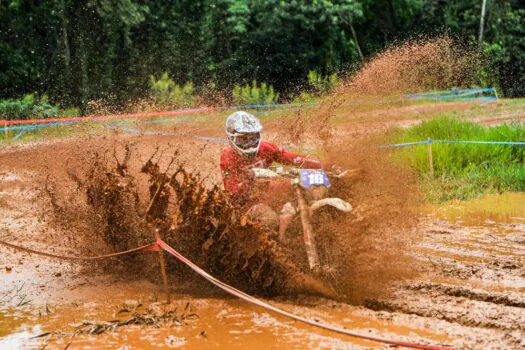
x=472, y=261
x=485, y=236
x=220, y=322
x=505, y=212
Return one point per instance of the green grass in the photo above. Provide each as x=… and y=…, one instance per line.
x=464, y=171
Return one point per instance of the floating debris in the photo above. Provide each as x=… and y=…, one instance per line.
x=152, y=318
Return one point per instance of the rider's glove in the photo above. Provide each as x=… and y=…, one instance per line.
x=336, y=170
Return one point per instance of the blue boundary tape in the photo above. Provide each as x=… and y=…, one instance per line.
x=405, y=144
x=284, y=106
x=454, y=91
x=160, y=133
x=408, y=144
x=395, y=145
x=19, y=135
x=36, y=126
x=451, y=95
x=510, y=143
x=219, y=140
x=455, y=95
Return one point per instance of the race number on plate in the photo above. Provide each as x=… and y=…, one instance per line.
x=313, y=177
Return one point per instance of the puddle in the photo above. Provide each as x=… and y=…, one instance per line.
x=221, y=323
x=23, y=338
x=505, y=212
x=481, y=241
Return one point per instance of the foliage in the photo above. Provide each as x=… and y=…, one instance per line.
x=466, y=170
x=78, y=51
x=322, y=85
x=29, y=107
x=304, y=98
x=254, y=94
x=70, y=112
x=504, y=35
x=168, y=94
x=279, y=41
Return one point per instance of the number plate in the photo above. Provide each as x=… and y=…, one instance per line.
x=313, y=177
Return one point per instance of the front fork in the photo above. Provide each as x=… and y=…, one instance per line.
x=308, y=233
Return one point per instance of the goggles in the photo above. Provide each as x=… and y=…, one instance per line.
x=246, y=141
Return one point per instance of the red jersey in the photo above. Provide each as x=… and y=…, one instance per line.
x=237, y=176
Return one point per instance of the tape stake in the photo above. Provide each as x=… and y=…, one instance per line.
x=19, y=135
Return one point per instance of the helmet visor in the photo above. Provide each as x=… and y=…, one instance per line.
x=247, y=141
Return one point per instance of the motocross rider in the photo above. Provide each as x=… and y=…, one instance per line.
x=246, y=152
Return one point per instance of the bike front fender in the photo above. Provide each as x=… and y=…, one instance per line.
x=337, y=203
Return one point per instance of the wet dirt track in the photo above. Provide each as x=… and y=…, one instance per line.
x=469, y=292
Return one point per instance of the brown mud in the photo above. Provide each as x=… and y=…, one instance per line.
x=417, y=65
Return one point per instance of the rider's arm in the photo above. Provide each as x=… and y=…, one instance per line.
x=296, y=159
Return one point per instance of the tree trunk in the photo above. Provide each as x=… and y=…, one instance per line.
x=356, y=41
x=65, y=50
x=482, y=22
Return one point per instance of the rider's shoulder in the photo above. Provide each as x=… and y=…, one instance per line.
x=268, y=146
x=228, y=153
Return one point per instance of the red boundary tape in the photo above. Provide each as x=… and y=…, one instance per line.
x=260, y=303
x=160, y=244
x=153, y=247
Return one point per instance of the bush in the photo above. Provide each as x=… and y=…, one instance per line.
x=322, y=85
x=70, y=112
x=304, y=98
x=29, y=107
x=170, y=95
x=254, y=94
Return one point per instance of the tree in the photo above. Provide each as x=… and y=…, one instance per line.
x=80, y=50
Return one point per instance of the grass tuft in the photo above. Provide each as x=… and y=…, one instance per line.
x=464, y=171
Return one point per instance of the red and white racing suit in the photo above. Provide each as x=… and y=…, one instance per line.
x=236, y=169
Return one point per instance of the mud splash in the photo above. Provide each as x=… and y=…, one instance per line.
x=197, y=219
x=417, y=65
x=112, y=204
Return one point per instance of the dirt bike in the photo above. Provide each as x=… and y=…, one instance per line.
x=311, y=190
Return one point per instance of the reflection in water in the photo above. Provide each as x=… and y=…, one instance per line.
x=506, y=211
x=22, y=338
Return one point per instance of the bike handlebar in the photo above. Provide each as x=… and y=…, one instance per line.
x=292, y=172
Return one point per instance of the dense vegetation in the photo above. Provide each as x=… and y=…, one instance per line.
x=82, y=50
x=463, y=171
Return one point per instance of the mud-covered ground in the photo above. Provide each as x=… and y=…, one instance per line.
x=463, y=284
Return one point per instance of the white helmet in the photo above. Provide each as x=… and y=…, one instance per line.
x=244, y=132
